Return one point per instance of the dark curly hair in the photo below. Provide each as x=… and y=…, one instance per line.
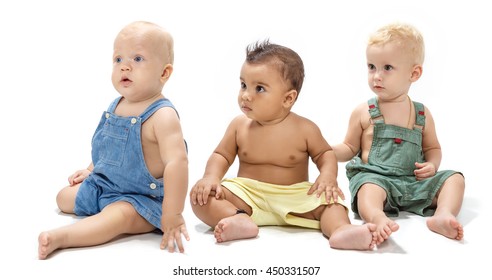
x=288, y=62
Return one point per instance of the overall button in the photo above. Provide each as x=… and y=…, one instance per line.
x=134, y=120
x=153, y=186
x=107, y=115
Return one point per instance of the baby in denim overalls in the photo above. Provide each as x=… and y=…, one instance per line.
x=137, y=180
x=392, y=144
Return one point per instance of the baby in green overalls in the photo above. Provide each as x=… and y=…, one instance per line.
x=392, y=146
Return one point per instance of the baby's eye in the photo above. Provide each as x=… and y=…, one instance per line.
x=388, y=67
x=138, y=59
x=371, y=66
x=260, y=89
x=243, y=85
x=118, y=60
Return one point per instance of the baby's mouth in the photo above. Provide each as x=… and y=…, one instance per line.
x=125, y=81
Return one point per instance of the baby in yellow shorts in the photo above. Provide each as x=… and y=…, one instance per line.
x=274, y=146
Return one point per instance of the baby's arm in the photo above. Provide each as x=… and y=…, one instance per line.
x=217, y=166
x=431, y=148
x=172, y=151
x=350, y=146
x=327, y=179
x=80, y=175
x=323, y=156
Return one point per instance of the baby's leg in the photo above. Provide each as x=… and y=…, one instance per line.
x=370, y=201
x=449, y=200
x=66, y=198
x=239, y=226
x=115, y=219
x=342, y=234
x=217, y=209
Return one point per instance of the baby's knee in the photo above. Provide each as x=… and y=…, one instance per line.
x=459, y=179
x=65, y=201
x=126, y=210
x=455, y=182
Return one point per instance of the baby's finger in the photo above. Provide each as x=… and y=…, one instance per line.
x=180, y=245
x=218, y=192
x=78, y=179
x=313, y=188
x=199, y=196
x=170, y=244
x=184, y=232
x=420, y=177
x=335, y=195
x=418, y=171
x=328, y=197
x=177, y=238
x=193, y=197
x=164, y=241
x=341, y=194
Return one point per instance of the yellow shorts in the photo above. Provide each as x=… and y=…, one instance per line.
x=273, y=204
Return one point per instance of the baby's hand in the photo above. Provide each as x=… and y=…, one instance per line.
x=203, y=189
x=173, y=226
x=330, y=188
x=424, y=170
x=78, y=176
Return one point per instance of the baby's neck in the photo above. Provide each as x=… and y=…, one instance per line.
x=273, y=121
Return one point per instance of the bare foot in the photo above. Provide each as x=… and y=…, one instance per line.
x=447, y=225
x=354, y=237
x=384, y=228
x=235, y=227
x=46, y=246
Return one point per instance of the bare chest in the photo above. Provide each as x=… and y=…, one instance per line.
x=280, y=149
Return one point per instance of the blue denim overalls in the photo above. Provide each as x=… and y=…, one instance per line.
x=120, y=173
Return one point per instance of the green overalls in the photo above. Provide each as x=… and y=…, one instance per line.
x=391, y=164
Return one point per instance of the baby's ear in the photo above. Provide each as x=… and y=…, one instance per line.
x=416, y=72
x=290, y=98
x=166, y=73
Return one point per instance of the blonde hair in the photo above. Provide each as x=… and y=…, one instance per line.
x=405, y=35
x=163, y=38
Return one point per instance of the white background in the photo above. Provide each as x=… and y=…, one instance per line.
x=55, y=82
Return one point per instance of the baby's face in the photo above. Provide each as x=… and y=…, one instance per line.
x=138, y=65
x=262, y=93
x=390, y=70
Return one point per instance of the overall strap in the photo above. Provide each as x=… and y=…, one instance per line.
x=419, y=115
x=376, y=115
x=113, y=104
x=164, y=102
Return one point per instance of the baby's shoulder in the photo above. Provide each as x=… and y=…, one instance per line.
x=166, y=113
x=298, y=119
x=239, y=123
x=301, y=123
x=361, y=110
x=240, y=120
x=362, y=107
x=164, y=119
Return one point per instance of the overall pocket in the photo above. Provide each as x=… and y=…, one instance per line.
x=114, y=138
x=397, y=147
